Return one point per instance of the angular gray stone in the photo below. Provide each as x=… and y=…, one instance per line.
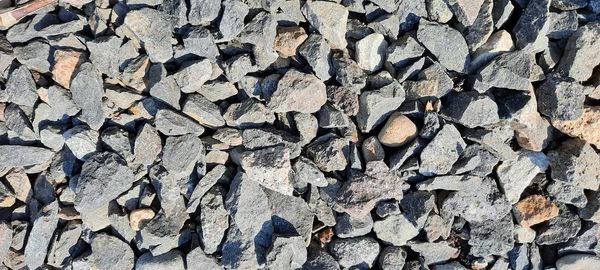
x=42, y=25
x=287, y=253
x=238, y=66
x=249, y=113
x=193, y=74
x=430, y=82
x=438, y=10
x=491, y=236
x=471, y=109
x=361, y=193
x=87, y=90
x=104, y=56
x=109, y=252
x=217, y=90
x=307, y=171
x=198, y=41
x=509, y=70
x=392, y=258
x=442, y=152
x=347, y=227
x=447, y=44
x=515, y=175
x=576, y=261
x=202, y=12
x=40, y=236
x=575, y=163
x=299, y=92
x=410, y=14
x=103, y=177
x=6, y=237
x=290, y=215
x=153, y=29
x=532, y=26
x=329, y=152
x=559, y=229
x=260, y=31
x=560, y=98
x=370, y=52
x=232, y=20
x=61, y=100
x=376, y=105
x=180, y=154
x=317, y=53
x=199, y=259
x=569, y=4
x=214, y=219
x=18, y=124
x=482, y=27
x=395, y=230
x=347, y=72
x=320, y=259
x=164, y=88
x=170, y=260
x=20, y=87
x=204, y=185
x=147, y=145
x=60, y=249
x=495, y=140
x=171, y=123
x=355, y=253
x=579, y=53
x=34, y=55
x=562, y=25
x=329, y=19
x=203, y=111
x=404, y=51
x=270, y=167
x=434, y=253
x=82, y=141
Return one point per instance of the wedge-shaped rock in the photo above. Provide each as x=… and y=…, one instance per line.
x=298, y=92
x=104, y=176
x=269, y=167
x=153, y=29
x=441, y=153
x=446, y=43
x=87, y=90
x=32, y=159
x=42, y=230
x=376, y=105
x=361, y=193
x=515, y=175
x=471, y=109
x=329, y=19
x=560, y=98
x=580, y=53
x=575, y=163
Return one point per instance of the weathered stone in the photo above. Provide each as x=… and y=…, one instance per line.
x=34, y=55
x=559, y=229
x=329, y=19
x=361, y=193
x=404, y=51
x=482, y=27
x=198, y=41
x=260, y=31
x=582, y=127
x=562, y=25
x=579, y=54
x=569, y=4
x=192, y=75
x=181, y=153
x=109, y=252
x=204, y=185
x=416, y=207
x=356, y=253
x=376, y=105
x=392, y=258
x=387, y=25
x=316, y=51
x=170, y=260
x=447, y=44
x=509, y=70
x=491, y=236
x=203, y=12
x=202, y=110
x=153, y=29
x=532, y=26
x=20, y=87
x=198, y=258
x=269, y=167
x=87, y=91
x=287, y=253
x=471, y=109
x=466, y=12
x=217, y=90
x=347, y=72
x=410, y=14
x=560, y=98
x=441, y=153
x=348, y=227
x=171, y=123
x=82, y=141
x=320, y=259
x=498, y=43
x=430, y=82
x=300, y=92
x=372, y=150
x=575, y=163
x=40, y=236
x=147, y=145
x=395, y=230
x=495, y=140
x=103, y=177
x=329, y=153
x=371, y=51
x=214, y=220
x=533, y=210
x=232, y=20
x=138, y=217
x=18, y=124
x=306, y=171
x=577, y=262
x=434, y=253
x=288, y=39
x=249, y=113
x=515, y=175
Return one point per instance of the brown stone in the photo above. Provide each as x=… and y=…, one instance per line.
x=288, y=39
x=7, y=201
x=217, y=157
x=533, y=210
x=397, y=131
x=138, y=217
x=68, y=213
x=325, y=236
x=43, y=94
x=19, y=182
x=65, y=63
x=587, y=127
x=2, y=107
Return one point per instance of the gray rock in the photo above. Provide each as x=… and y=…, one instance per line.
x=260, y=31
x=347, y=227
x=87, y=91
x=356, y=253
x=482, y=27
x=42, y=25
x=34, y=55
x=171, y=123
x=532, y=26
x=218, y=90
x=180, y=154
x=575, y=163
x=579, y=53
x=316, y=52
x=438, y=10
x=153, y=29
x=437, y=227
x=202, y=12
x=370, y=52
x=515, y=175
x=561, y=98
x=198, y=258
x=410, y=13
x=18, y=123
x=442, y=152
x=491, y=236
x=431, y=81
x=329, y=152
x=343, y=99
x=479, y=204
x=501, y=12
x=412, y=149
x=320, y=259
x=193, y=74
x=434, y=253
x=20, y=87
x=164, y=88
x=270, y=167
x=232, y=21
x=109, y=252
x=404, y=51
x=496, y=140
x=290, y=215
x=471, y=109
x=387, y=208
x=591, y=211
x=103, y=177
x=203, y=111
x=562, y=25
x=447, y=44
x=82, y=141
x=372, y=150
x=509, y=70
x=170, y=260
x=392, y=258
x=559, y=229
x=104, y=56
x=117, y=140
x=299, y=92
x=395, y=230
x=569, y=4
x=60, y=249
x=198, y=41
x=238, y=66
x=32, y=159
x=147, y=145
x=307, y=125
x=287, y=253
x=249, y=113
x=40, y=236
x=329, y=19
x=387, y=25
x=361, y=193
x=576, y=261
x=61, y=100
x=376, y=105
x=214, y=219
x=347, y=71
x=417, y=206
x=307, y=171
x=466, y=12
x=204, y=185
x=6, y=236
x=566, y=193
x=260, y=138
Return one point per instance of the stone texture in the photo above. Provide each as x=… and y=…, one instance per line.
x=582, y=127
x=560, y=98
x=359, y=252
x=153, y=29
x=447, y=44
x=370, y=52
x=376, y=105
x=575, y=163
x=395, y=230
x=288, y=40
x=87, y=91
x=532, y=26
x=471, y=109
x=533, y=210
x=516, y=174
x=329, y=19
x=269, y=167
x=316, y=51
x=579, y=57
x=441, y=153
x=299, y=92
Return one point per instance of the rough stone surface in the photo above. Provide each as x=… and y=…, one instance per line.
x=153, y=29
x=471, y=109
x=370, y=52
x=376, y=105
x=583, y=126
x=516, y=174
x=441, y=153
x=359, y=252
x=299, y=92
x=446, y=44
x=329, y=19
